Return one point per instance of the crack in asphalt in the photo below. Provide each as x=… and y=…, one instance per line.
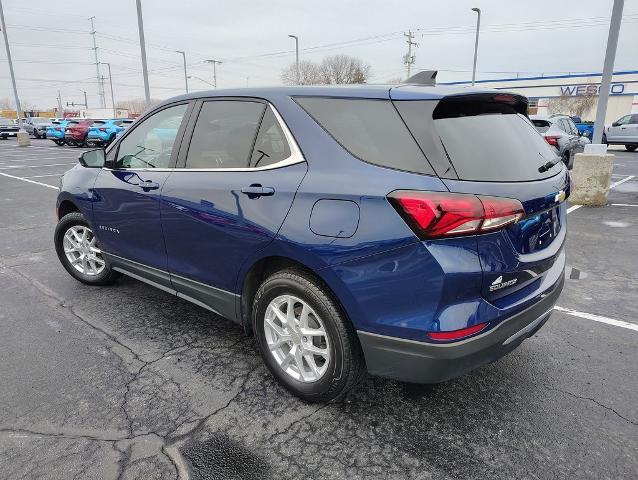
x=602, y=405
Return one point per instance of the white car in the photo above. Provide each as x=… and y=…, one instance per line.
x=623, y=131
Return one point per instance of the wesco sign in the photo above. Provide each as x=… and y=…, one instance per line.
x=580, y=90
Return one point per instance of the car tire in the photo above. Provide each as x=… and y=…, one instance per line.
x=631, y=148
x=338, y=368
x=36, y=135
x=59, y=143
x=568, y=160
x=95, y=270
x=604, y=139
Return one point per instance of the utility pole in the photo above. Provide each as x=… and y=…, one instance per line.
x=108, y=65
x=100, y=88
x=140, y=28
x=408, y=58
x=608, y=69
x=86, y=102
x=60, y=112
x=478, y=26
x=185, y=73
x=214, y=62
x=13, y=77
x=296, y=57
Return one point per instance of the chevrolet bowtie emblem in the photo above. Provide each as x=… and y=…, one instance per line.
x=560, y=196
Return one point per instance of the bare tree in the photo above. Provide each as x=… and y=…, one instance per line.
x=135, y=106
x=394, y=81
x=6, y=104
x=574, y=105
x=309, y=74
x=337, y=69
x=344, y=69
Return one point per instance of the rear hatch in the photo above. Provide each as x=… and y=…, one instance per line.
x=484, y=144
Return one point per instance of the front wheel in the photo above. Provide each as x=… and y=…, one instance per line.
x=304, y=337
x=631, y=148
x=59, y=143
x=79, y=251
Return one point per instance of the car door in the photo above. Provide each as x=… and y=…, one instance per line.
x=617, y=131
x=631, y=129
x=236, y=182
x=126, y=211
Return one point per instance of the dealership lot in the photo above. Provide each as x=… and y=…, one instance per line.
x=131, y=381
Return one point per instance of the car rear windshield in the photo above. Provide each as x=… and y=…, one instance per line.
x=485, y=139
x=371, y=130
x=541, y=125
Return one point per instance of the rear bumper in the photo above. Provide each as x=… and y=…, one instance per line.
x=419, y=362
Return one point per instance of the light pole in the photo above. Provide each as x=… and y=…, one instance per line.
x=13, y=77
x=214, y=63
x=608, y=68
x=108, y=65
x=478, y=26
x=185, y=74
x=201, y=80
x=140, y=27
x=296, y=56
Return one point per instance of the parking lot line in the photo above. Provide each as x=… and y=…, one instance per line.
x=48, y=175
x=10, y=167
x=623, y=205
x=615, y=184
x=597, y=318
x=30, y=181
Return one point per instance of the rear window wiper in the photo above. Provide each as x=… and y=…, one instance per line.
x=548, y=165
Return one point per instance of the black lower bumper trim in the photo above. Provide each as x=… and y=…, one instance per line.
x=419, y=362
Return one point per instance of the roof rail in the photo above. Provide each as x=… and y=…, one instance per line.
x=426, y=77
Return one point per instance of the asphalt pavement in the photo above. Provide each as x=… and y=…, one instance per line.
x=130, y=382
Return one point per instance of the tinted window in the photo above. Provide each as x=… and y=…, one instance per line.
x=151, y=143
x=634, y=119
x=541, y=125
x=271, y=145
x=487, y=147
x=224, y=134
x=371, y=130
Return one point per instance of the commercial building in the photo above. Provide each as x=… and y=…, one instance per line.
x=574, y=94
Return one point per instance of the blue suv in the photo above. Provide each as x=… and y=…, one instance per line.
x=103, y=132
x=414, y=232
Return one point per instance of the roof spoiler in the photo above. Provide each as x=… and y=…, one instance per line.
x=426, y=77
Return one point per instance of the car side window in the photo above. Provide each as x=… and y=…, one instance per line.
x=151, y=143
x=572, y=127
x=634, y=119
x=623, y=120
x=224, y=134
x=271, y=145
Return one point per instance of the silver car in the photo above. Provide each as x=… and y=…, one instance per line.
x=561, y=133
x=623, y=131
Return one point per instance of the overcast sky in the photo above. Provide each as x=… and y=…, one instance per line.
x=51, y=45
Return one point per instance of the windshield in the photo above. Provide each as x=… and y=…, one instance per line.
x=484, y=141
x=39, y=121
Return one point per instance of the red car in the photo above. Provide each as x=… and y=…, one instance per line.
x=76, y=131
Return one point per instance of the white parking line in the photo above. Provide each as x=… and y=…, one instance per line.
x=598, y=318
x=623, y=205
x=615, y=184
x=12, y=167
x=49, y=175
x=30, y=181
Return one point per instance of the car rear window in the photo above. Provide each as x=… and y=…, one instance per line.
x=371, y=130
x=541, y=125
x=485, y=140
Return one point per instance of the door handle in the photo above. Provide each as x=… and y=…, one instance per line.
x=149, y=185
x=256, y=190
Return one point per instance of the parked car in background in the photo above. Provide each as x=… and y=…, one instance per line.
x=77, y=130
x=56, y=131
x=623, y=131
x=586, y=129
x=37, y=126
x=7, y=128
x=561, y=133
x=250, y=203
x=103, y=132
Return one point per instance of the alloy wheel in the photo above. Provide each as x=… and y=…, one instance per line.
x=297, y=338
x=81, y=250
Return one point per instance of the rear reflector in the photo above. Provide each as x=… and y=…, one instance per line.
x=457, y=334
x=441, y=214
x=552, y=140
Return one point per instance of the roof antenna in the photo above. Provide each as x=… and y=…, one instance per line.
x=426, y=77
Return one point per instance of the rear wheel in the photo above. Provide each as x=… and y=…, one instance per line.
x=631, y=148
x=305, y=339
x=79, y=251
x=36, y=134
x=59, y=143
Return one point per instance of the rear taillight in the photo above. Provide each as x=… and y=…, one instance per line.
x=440, y=214
x=102, y=129
x=552, y=140
x=57, y=129
x=457, y=334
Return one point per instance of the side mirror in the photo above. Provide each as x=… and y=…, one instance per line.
x=93, y=158
x=615, y=124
